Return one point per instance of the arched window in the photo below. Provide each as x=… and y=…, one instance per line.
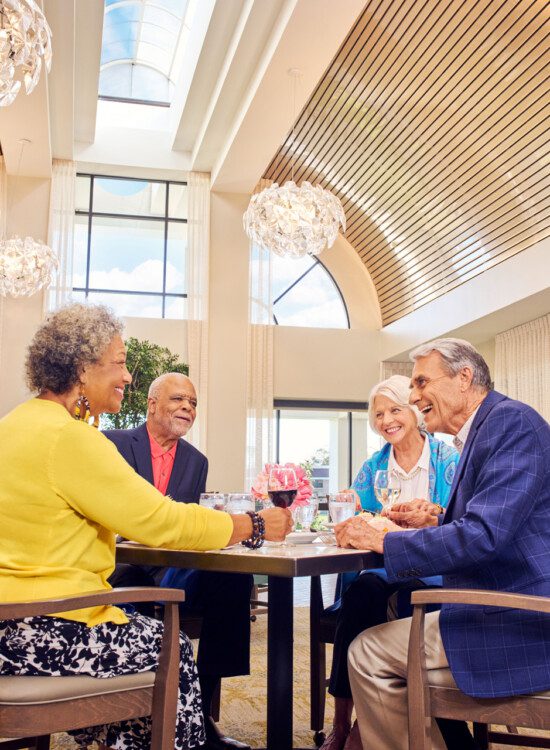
x=141, y=39
x=305, y=294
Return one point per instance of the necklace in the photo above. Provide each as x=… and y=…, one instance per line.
x=415, y=472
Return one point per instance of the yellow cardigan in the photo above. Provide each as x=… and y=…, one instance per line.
x=65, y=492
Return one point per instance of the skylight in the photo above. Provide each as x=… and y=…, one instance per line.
x=141, y=41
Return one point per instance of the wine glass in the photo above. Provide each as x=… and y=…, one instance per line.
x=387, y=487
x=282, y=486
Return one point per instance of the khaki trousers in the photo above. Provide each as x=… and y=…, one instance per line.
x=377, y=662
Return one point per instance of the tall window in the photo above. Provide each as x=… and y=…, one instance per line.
x=333, y=438
x=305, y=294
x=131, y=245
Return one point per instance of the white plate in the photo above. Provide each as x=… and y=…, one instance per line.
x=304, y=537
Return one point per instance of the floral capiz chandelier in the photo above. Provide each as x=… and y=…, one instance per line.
x=293, y=220
x=25, y=266
x=25, y=38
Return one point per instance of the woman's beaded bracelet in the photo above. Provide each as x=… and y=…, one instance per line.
x=258, y=531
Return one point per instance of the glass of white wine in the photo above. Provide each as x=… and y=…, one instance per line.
x=387, y=488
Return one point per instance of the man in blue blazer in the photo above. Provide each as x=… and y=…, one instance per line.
x=495, y=535
x=158, y=453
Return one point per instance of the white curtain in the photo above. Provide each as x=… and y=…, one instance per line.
x=259, y=376
x=198, y=248
x=3, y=215
x=61, y=231
x=387, y=369
x=522, y=364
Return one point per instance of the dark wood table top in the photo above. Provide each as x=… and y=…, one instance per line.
x=289, y=561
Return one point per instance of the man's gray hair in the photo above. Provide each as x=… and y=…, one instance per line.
x=456, y=354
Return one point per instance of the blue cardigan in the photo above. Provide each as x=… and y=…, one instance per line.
x=443, y=463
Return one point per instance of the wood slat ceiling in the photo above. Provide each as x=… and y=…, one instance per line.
x=430, y=125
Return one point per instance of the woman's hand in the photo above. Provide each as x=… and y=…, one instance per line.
x=278, y=523
x=416, y=514
x=361, y=532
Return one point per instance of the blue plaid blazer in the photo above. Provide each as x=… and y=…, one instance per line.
x=495, y=535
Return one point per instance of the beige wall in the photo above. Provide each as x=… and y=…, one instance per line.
x=314, y=363
x=169, y=333
x=487, y=351
x=19, y=318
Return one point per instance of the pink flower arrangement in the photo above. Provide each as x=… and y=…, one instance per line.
x=259, y=488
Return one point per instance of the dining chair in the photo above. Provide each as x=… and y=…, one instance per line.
x=433, y=693
x=36, y=707
x=322, y=629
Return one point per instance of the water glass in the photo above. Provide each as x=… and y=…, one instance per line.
x=214, y=500
x=341, y=506
x=240, y=503
x=304, y=514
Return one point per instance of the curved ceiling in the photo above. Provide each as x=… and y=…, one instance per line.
x=430, y=125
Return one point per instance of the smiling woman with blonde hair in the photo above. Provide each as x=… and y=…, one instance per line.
x=426, y=468
x=424, y=464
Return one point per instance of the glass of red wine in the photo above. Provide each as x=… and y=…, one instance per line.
x=282, y=486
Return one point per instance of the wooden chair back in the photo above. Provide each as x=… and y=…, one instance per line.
x=111, y=699
x=427, y=700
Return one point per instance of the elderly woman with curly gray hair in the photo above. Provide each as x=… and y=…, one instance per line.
x=64, y=496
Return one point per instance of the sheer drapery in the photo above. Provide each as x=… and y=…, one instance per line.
x=61, y=231
x=3, y=215
x=198, y=248
x=387, y=369
x=522, y=364
x=259, y=376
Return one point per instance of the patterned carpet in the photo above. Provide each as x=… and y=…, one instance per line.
x=244, y=698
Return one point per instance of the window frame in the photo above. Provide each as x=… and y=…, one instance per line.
x=314, y=405
x=166, y=219
x=316, y=261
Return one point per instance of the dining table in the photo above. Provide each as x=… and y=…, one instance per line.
x=282, y=563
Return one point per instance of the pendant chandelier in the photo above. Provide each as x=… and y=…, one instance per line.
x=25, y=38
x=294, y=220
x=25, y=264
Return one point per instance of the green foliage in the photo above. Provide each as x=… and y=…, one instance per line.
x=319, y=458
x=145, y=361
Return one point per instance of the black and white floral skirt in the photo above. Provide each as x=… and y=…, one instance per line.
x=53, y=646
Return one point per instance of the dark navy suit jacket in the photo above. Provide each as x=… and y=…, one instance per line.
x=188, y=478
x=495, y=535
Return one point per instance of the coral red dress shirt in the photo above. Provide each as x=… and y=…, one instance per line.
x=163, y=463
